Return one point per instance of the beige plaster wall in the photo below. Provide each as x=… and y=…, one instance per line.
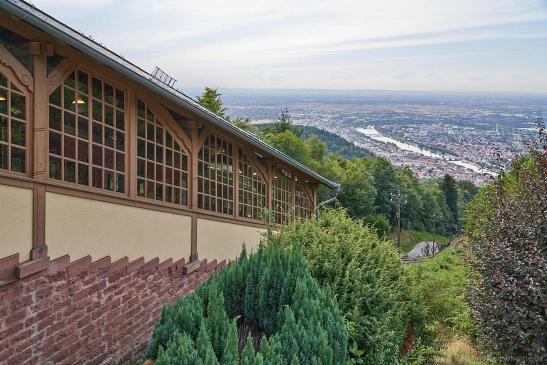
x=220, y=240
x=81, y=227
x=15, y=222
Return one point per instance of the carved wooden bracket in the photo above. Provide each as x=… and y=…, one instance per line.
x=19, y=71
x=56, y=77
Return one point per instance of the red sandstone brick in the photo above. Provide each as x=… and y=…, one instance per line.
x=134, y=266
x=119, y=265
x=58, y=264
x=211, y=265
x=7, y=267
x=190, y=267
x=103, y=263
x=31, y=267
x=79, y=266
x=164, y=266
x=151, y=265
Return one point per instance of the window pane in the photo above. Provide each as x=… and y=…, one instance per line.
x=83, y=151
x=70, y=123
x=120, y=123
x=17, y=159
x=69, y=100
x=83, y=104
x=109, y=137
x=55, y=118
x=97, y=86
x=83, y=175
x=108, y=115
x=140, y=129
x=141, y=191
x=3, y=101
x=55, y=97
x=18, y=130
x=70, y=147
x=97, y=155
x=120, y=183
x=97, y=111
x=108, y=158
x=141, y=168
x=108, y=93
x=70, y=171
x=97, y=133
x=120, y=141
x=120, y=162
x=140, y=148
x=83, y=82
x=109, y=180
x=55, y=168
x=3, y=156
x=3, y=129
x=83, y=128
x=18, y=106
x=70, y=80
x=97, y=178
x=55, y=143
x=119, y=99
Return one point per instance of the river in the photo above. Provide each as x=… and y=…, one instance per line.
x=372, y=133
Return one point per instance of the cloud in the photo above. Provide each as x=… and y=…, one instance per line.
x=217, y=41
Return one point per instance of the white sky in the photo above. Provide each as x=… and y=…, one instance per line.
x=479, y=45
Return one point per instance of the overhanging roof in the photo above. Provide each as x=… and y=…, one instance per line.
x=27, y=12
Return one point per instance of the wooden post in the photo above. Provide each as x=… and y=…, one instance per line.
x=235, y=159
x=39, y=148
x=193, y=190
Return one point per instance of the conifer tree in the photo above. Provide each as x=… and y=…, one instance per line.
x=231, y=356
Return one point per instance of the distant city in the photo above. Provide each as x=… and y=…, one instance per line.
x=466, y=135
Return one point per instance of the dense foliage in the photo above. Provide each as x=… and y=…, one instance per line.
x=508, y=227
x=272, y=295
x=441, y=285
x=367, y=277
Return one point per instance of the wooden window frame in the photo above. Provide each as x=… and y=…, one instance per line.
x=303, y=202
x=152, y=120
x=282, y=199
x=21, y=90
x=205, y=183
x=252, y=188
x=112, y=166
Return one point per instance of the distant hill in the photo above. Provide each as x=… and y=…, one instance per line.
x=334, y=142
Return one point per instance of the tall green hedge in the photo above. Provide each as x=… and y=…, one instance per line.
x=270, y=291
x=366, y=275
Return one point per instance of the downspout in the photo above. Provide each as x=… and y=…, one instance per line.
x=337, y=188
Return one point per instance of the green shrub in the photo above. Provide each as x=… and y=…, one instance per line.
x=507, y=223
x=441, y=284
x=270, y=291
x=366, y=275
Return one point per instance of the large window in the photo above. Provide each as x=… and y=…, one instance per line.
x=252, y=189
x=87, y=133
x=216, y=176
x=13, y=127
x=282, y=196
x=303, y=205
x=162, y=163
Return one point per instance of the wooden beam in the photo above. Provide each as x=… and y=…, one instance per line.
x=24, y=77
x=59, y=73
x=39, y=148
x=235, y=159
